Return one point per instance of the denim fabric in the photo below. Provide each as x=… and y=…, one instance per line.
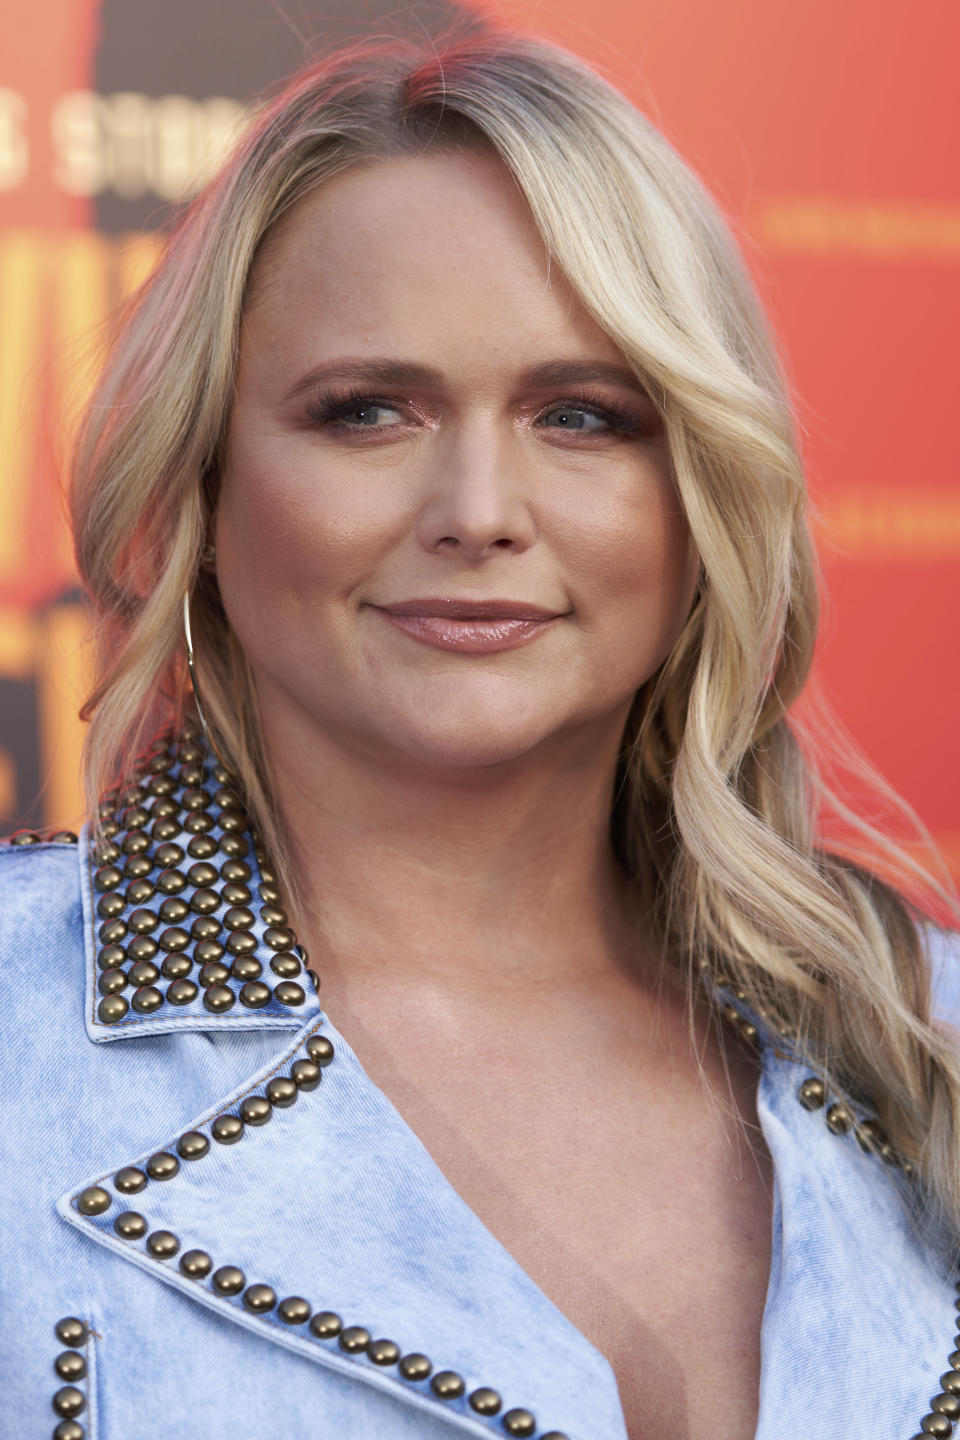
x=336, y=1200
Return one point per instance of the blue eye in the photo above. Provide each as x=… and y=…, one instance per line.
x=353, y=412
x=576, y=417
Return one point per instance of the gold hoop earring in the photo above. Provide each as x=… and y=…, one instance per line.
x=192, y=668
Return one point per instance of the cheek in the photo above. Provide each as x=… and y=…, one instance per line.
x=292, y=530
x=638, y=565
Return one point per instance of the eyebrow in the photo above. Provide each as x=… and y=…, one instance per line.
x=384, y=370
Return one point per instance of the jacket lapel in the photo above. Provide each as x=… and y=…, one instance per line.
x=318, y=1194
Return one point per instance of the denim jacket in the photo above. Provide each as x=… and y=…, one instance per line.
x=213, y=1224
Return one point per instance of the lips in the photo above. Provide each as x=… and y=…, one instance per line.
x=459, y=609
x=472, y=627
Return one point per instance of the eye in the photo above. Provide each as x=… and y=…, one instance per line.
x=353, y=412
x=588, y=418
x=575, y=417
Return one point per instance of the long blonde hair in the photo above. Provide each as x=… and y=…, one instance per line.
x=716, y=813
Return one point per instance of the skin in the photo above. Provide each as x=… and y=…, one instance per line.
x=450, y=812
x=467, y=487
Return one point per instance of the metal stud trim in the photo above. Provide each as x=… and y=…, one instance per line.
x=171, y=892
x=813, y=1094
x=225, y=1128
x=229, y=1282
x=944, y=1414
x=71, y=1368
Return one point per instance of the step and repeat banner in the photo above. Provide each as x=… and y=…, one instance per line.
x=827, y=132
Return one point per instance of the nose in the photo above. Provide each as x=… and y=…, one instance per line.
x=477, y=501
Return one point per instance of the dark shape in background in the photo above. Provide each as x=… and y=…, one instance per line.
x=234, y=49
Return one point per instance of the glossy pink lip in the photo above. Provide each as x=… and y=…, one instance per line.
x=459, y=609
x=473, y=627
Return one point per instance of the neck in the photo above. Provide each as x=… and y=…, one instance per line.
x=462, y=879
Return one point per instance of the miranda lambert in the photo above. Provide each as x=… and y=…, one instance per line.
x=450, y=425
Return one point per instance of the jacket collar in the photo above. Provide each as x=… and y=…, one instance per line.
x=183, y=922
x=359, y=1225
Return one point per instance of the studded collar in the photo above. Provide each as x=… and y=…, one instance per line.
x=394, y=1280
x=183, y=919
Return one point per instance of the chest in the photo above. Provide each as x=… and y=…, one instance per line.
x=639, y=1200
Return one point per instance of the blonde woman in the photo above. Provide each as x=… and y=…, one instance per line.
x=449, y=447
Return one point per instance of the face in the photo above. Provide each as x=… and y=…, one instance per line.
x=447, y=532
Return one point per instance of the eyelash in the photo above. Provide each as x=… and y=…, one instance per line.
x=329, y=409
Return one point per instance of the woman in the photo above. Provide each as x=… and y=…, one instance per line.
x=450, y=427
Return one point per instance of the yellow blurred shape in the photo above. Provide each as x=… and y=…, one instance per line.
x=65, y=674
x=20, y=351
x=887, y=524
x=18, y=638
x=8, y=783
x=892, y=230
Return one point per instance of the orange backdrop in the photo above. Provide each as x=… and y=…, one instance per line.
x=829, y=134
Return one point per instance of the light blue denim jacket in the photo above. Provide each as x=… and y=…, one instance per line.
x=179, y=1326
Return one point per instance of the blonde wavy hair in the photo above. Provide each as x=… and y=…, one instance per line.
x=717, y=807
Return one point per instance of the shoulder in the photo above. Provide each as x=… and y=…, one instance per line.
x=41, y=910
x=943, y=953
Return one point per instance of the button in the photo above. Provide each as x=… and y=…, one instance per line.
x=71, y=1331
x=181, y=992
x=69, y=1401
x=142, y=948
x=147, y=1000
x=227, y=1129
x=839, y=1119
x=130, y=1225
x=212, y=973
x=245, y=967
x=447, y=1384
x=259, y=1299
x=94, y=1200
x=278, y=937
x=812, y=1093
x=415, y=1367
x=162, y=1166
x=281, y=1091
x=195, y=1264
x=174, y=939
x=163, y=1244
x=256, y=1110
x=70, y=1365
x=204, y=901
x=172, y=911
x=288, y=992
x=306, y=1074
x=218, y=998
x=254, y=995
x=285, y=965
x=294, y=1310
x=143, y=921
x=485, y=1401
x=111, y=1009
x=129, y=1181
x=203, y=875
x=320, y=1049
x=519, y=1422
x=176, y=967
x=68, y=1430
x=193, y=1145
x=383, y=1352
x=238, y=917
x=229, y=1280
x=111, y=982
x=143, y=973
x=326, y=1324
x=354, y=1339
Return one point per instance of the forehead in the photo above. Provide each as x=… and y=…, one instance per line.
x=415, y=245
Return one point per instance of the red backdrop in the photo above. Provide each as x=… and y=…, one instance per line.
x=828, y=133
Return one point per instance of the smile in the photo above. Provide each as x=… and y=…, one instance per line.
x=472, y=628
